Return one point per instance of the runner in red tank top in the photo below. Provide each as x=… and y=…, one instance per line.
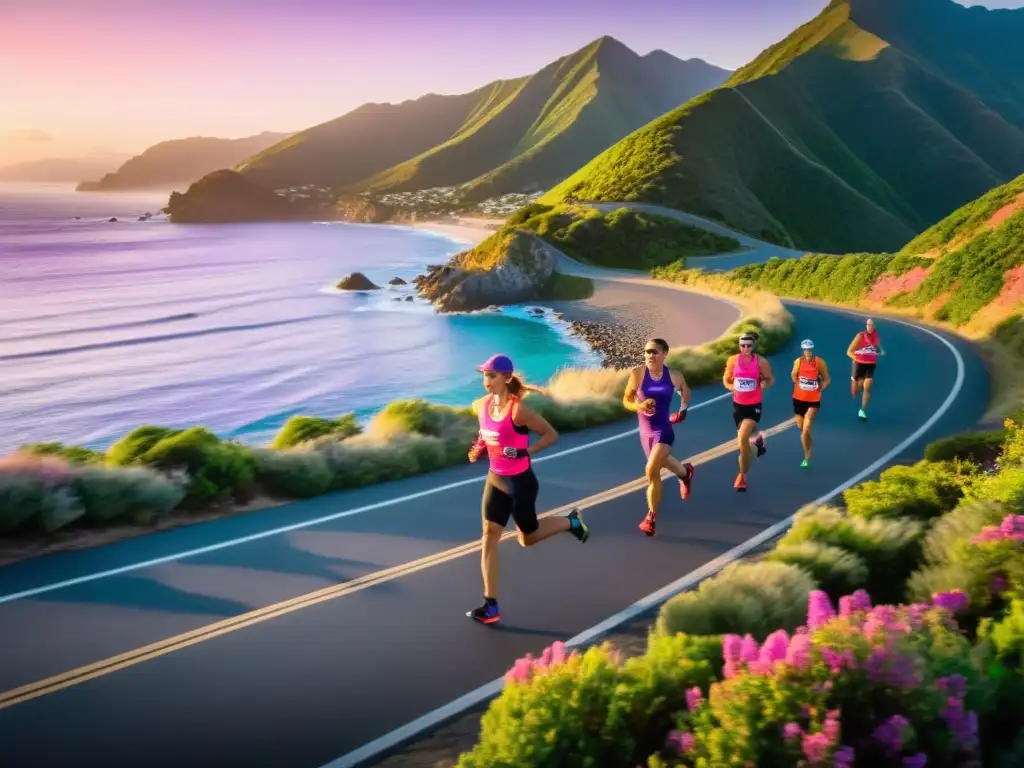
x=864, y=351
x=810, y=378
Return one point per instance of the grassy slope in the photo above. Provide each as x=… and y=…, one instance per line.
x=832, y=140
x=963, y=272
x=622, y=239
x=184, y=160
x=503, y=137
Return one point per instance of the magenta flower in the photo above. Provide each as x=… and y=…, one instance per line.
x=792, y=731
x=955, y=684
x=815, y=747
x=749, y=652
x=798, y=654
x=891, y=733
x=819, y=609
x=831, y=726
x=681, y=741
x=997, y=584
x=844, y=757
x=774, y=650
x=963, y=726
x=694, y=698
x=954, y=601
x=521, y=670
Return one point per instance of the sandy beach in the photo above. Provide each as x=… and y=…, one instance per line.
x=626, y=308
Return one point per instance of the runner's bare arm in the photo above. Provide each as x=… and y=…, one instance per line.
x=823, y=370
x=853, y=346
x=632, y=387
x=529, y=418
x=796, y=370
x=767, y=374
x=679, y=382
x=727, y=377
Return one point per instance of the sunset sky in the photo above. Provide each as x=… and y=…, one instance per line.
x=125, y=74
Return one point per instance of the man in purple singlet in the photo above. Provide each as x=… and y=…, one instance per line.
x=649, y=393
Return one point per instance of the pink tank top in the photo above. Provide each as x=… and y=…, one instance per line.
x=746, y=381
x=503, y=434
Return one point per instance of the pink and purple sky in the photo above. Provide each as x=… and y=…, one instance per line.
x=125, y=74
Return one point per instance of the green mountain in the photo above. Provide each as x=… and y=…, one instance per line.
x=863, y=127
x=180, y=162
x=508, y=136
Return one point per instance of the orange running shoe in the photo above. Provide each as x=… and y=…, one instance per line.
x=741, y=483
x=649, y=525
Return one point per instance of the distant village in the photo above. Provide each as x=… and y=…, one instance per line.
x=436, y=201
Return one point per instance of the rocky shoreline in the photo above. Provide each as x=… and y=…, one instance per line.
x=620, y=345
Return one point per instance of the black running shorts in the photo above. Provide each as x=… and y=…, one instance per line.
x=743, y=412
x=801, y=407
x=863, y=371
x=512, y=496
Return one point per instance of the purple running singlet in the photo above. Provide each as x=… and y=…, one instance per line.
x=657, y=428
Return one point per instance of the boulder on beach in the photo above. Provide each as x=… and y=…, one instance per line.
x=112, y=218
x=396, y=281
x=507, y=268
x=357, y=281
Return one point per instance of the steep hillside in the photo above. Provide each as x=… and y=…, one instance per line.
x=854, y=133
x=508, y=136
x=226, y=195
x=180, y=161
x=967, y=270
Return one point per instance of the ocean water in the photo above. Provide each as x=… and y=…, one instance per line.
x=106, y=326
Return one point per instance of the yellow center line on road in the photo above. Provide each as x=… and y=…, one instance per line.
x=210, y=631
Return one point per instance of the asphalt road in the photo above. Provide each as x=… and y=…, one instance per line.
x=300, y=687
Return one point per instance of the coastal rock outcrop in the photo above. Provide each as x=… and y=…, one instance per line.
x=507, y=268
x=362, y=210
x=226, y=196
x=357, y=281
x=396, y=281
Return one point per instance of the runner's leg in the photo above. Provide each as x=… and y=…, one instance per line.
x=806, y=439
x=746, y=429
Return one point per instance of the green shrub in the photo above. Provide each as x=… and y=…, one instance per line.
x=1006, y=486
x=35, y=494
x=922, y=491
x=754, y=598
x=294, y=474
x=359, y=462
x=589, y=709
x=130, y=448
x=973, y=446
x=134, y=494
x=890, y=548
x=300, y=429
x=836, y=571
x=216, y=471
x=74, y=454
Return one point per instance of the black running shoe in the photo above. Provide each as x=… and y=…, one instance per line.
x=759, y=444
x=488, y=613
x=577, y=527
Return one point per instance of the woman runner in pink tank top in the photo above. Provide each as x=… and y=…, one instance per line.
x=511, y=488
x=864, y=351
x=747, y=375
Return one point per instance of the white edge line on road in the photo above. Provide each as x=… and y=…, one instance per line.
x=315, y=521
x=454, y=708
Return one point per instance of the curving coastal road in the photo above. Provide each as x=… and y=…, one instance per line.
x=295, y=636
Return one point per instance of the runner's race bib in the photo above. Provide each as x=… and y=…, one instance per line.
x=867, y=349
x=743, y=384
x=808, y=385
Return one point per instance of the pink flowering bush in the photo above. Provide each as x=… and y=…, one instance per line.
x=858, y=686
x=592, y=709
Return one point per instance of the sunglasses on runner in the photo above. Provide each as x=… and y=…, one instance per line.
x=651, y=351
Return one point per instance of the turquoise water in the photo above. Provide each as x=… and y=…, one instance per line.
x=108, y=325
